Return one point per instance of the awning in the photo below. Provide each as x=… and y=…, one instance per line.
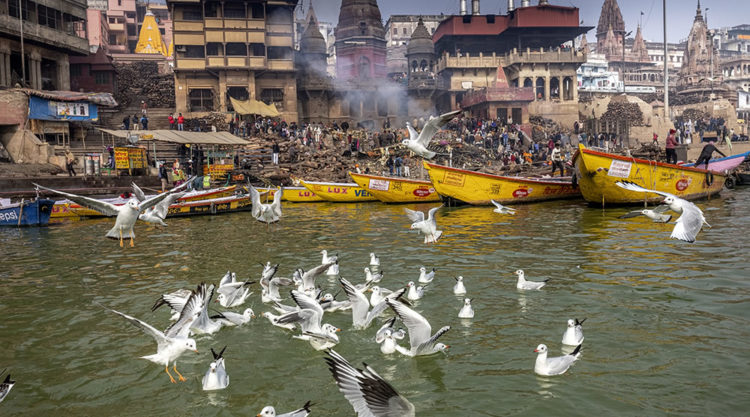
x=254, y=107
x=181, y=136
x=103, y=99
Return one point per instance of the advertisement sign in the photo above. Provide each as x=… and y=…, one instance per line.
x=67, y=109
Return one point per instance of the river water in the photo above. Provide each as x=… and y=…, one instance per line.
x=666, y=332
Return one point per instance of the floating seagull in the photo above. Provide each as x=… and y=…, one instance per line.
x=459, y=288
x=467, y=312
x=419, y=331
x=413, y=292
x=127, y=214
x=329, y=303
x=307, y=278
x=573, y=335
x=522, y=284
x=233, y=293
x=426, y=277
x=333, y=269
x=554, y=366
x=216, y=377
x=387, y=336
x=270, y=292
x=418, y=143
x=269, y=411
x=310, y=317
x=688, y=224
x=374, y=260
x=266, y=213
x=370, y=277
x=158, y=213
x=379, y=295
x=501, y=209
x=367, y=392
x=229, y=318
x=657, y=214
x=173, y=341
x=362, y=316
x=428, y=227
x=6, y=385
x=274, y=319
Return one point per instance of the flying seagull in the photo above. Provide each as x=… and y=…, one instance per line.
x=367, y=392
x=418, y=143
x=501, y=209
x=427, y=226
x=158, y=213
x=421, y=339
x=657, y=214
x=688, y=224
x=266, y=213
x=269, y=411
x=127, y=214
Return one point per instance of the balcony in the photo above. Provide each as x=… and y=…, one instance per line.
x=280, y=65
x=257, y=62
x=187, y=26
x=44, y=35
x=191, y=63
x=116, y=27
x=271, y=28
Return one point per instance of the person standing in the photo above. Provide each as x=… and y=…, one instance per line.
x=397, y=163
x=163, y=175
x=389, y=164
x=135, y=122
x=180, y=122
x=275, y=149
x=706, y=153
x=144, y=122
x=70, y=160
x=670, y=147
x=144, y=107
x=171, y=121
x=126, y=122
x=557, y=160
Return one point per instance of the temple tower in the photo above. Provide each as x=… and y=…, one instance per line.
x=700, y=62
x=610, y=18
x=360, y=41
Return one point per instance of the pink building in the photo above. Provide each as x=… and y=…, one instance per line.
x=123, y=26
x=97, y=29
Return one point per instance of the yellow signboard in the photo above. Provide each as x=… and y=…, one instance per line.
x=126, y=158
x=217, y=169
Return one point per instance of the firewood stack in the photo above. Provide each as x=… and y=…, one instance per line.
x=142, y=81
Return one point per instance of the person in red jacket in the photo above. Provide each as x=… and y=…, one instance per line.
x=171, y=121
x=180, y=122
x=671, y=144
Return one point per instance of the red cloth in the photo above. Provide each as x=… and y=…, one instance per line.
x=180, y=119
x=671, y=143
x=171, y=120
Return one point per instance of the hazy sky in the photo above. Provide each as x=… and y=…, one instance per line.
x=680, y=13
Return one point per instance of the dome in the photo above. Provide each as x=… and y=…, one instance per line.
x=421, y=41
x=312, y=41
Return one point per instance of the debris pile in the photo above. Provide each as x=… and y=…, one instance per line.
x=695, y=114
x=142, y=81
x=219, y=120
x=542, y=128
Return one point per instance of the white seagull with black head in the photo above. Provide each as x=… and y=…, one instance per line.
x=418, y=143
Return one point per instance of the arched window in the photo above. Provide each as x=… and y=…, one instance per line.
x=423, y=65
x=528, y=83
x=414, y=66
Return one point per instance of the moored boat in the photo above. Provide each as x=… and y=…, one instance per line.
x=396, y=189
x=220, y=205
x=339, y=192
x=726, y=164
x=26, y=213
x=300, y=195
x=597, y=172
x=479, y=188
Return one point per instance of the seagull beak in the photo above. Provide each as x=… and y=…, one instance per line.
x=195, y=350
x=252, y=315
x=536, y=350
x=447, y=346
x=338, y=330
x=258, y=415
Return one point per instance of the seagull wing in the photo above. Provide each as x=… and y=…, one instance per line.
x=308, y=319
x=498, y=205
x=428, y=345
x=154, y=200
x=276, y=205
x=308, y=278
x=434, y=125
x=381, y=331
x=147, y=328
x=418, y=327
x=662, y=208
x=431, y=214
x=195, y=304
x=139, y=194
x=689, y=224
x=307, y=302
x=162, y=208
x=631, y=214
x=414, y=216
x=360, y=305
x=413, y=135
x=255, y=197
x=103, y=207
x=631, y=186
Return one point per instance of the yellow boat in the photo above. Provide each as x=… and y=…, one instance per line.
x=300, y=195
x=478, y=188
x=597, y=172
x=395, y=189
x=339, y=192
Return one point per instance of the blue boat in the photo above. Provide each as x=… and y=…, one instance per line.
x=26, y=213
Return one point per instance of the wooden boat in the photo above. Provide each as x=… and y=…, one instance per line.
x=396, y=189
x=220, y=205
x=339, y=192
x=726, y=164
x=597, y=172
x=67, y=208
x=478, y=188
x=300, y=195
x=26, y=213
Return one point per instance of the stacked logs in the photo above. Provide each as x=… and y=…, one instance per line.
x=218, y=120
x=142, y=81
x=623, y=110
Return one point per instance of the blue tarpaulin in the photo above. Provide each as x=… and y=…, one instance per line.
x=45, y=109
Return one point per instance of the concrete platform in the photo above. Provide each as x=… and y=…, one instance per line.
x=91, y=185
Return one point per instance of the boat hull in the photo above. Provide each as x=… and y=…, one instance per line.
x=396, y=190
x=29, y=213
x=339, y=192
x=213, y=206
x=597, y=173
x=478, y=188
x=300, y=195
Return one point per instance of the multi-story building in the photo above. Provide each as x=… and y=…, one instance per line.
x=398, y=32
x=234, y=48
x=732, y=41
x=736, y=72
x=51, y=33
x=123, y=26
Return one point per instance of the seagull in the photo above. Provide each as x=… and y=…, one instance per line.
x=362, y=316
x=266, y=213
x=367, y=392
x=310, y=316
x=573, y=335
x=501, y=209
x=419, y=331
x=522, y=284
x=554, y=366
x=216, y=377
x=6, y=385
x=418, y=143
x=379, y=294
x=333, y=269
x=329, y=303
x=175, y=300
x=270, y=292
x=426, y=277
x=688, y=224
x=307, y=278
x=414, y=293
x=374, y=260
x=428, y=227
x=229, y=318
x=459, y=288
x=269, y=411
x=269, y=271
x=274, y=319
x=233, y=293
x=467, y=312
x=127, y=214
x=158, y=213
x=657, y=214
x=173, y=341
x=387, y=336
x=370, y=277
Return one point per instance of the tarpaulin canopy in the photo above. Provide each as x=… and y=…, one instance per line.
x=254, y=107
x=103, y=99
x=181, y=136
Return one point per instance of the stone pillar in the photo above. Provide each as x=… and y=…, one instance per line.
x=35, y=70
x=63, y=74
x=546, y=88
x=4, y=69
x=560, y=89
x=222, y=91
x=251, y=85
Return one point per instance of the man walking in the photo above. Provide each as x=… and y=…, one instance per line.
x=275, y=149
x=670, y=147
x=557, y=160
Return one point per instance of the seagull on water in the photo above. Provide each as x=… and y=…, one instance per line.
x=372, y=277
x=270, y=292
x=362, y=316
x=310, y=317
x=229, y=318
x=307, y=278
x=127, y=214
x=573, y=335
x=545, y=366
x=426, y=277
x=232, y=292
x=266, y=213
x=387, y=336
x=414, y=293
x=374, y=260
x=333, y=269
x=657, y=214
x=269, y=411
x=421, y=339
x=501, y=209
x=459, y=288
x=367, y=392
x=418, y=143
x=171, y=343
x=6, y=385
x=379, y=294
x=216, y=377
x=522, y=284
x=467, y=312
x=427, y=226
x=691, y=218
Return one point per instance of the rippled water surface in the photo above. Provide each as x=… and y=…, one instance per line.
x=667, y=330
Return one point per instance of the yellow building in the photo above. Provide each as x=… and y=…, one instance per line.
x=149, y=40
x=238, y=49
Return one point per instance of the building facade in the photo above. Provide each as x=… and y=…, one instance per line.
x=360, y=41
x=234, y=49
x=398, y=32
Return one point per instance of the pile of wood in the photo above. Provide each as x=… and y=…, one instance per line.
x=623, y=110
x=649, y=151
x=694, y=114
x=219, y=120
x=541, y=126
x=141, y=81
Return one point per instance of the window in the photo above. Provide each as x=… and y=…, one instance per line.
x=201, y=99
x=236, y=49
x=257, y=49
x=279, y=52
x=161, y=30
x=404, y=31
x=119, y=2
x=214, y=49
x=234, y=10
x=278, y=15
x=256, y=11
x=47, y=16
x=101, y=77
x=112, y=39
x=272, y=95
x=75, y=70
x=212, y=9
x=193, y=51
x=192, y=13
x=395, y=31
